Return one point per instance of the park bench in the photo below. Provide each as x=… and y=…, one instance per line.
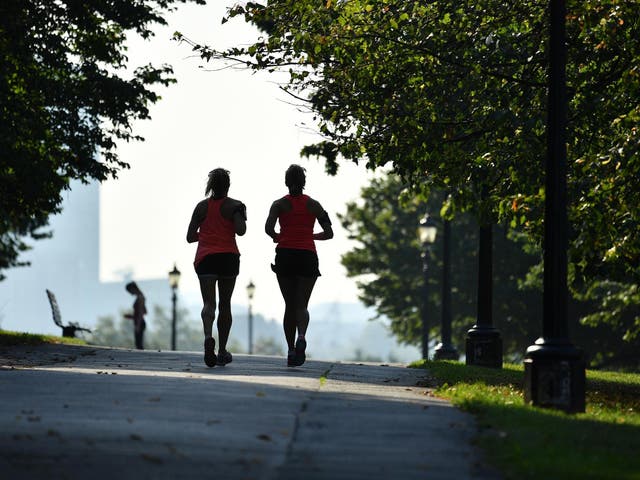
x=67, y=330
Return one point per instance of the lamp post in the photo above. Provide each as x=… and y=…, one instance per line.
x=445, y=349
x=427, y=231
x=483, y=345
x=174, y=280
x=554, y=369
x=251, y=288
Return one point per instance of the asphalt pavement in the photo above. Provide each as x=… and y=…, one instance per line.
x=85, y=412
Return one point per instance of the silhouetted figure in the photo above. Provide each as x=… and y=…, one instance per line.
x=296, y=263
x=139, y=311
x=214, y=224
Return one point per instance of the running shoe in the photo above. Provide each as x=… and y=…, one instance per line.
x=291, y=359
x=210, y=358
x=301, y=345
x=224, y=357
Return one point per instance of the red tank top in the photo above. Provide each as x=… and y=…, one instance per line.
x=296, y=225
x=217, y=234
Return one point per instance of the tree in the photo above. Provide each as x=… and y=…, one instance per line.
x=411, y=84
x=65, y=100
x=453, y=95
x=108, y=333
x=388, y=259
x=267, y=346
x=157, y=335
x=387, y=262
x=189, y=334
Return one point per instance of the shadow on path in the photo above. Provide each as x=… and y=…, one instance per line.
x=81, y=412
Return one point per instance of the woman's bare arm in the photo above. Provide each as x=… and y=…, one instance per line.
x=272, y=218
x=199, y=214
x=323, y=219
x=236, y=211
x=240, y=218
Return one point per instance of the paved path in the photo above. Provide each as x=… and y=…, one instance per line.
x=100, y=413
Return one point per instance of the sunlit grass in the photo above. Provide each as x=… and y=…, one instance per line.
x=8, y=338
x=528, y=442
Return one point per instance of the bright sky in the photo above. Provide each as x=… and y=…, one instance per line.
x=231, y=119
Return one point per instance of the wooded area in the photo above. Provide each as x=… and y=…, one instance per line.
x=452, y=97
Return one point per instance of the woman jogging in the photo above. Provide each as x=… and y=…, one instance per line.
x=296, y=263
x=214, y=224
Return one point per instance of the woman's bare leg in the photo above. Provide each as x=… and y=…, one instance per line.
x=289, y=323
x=304, y=287
x=296, y=292
x=208, y=314
x=225, y=288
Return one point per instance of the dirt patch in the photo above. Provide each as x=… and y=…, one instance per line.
x=25, y=356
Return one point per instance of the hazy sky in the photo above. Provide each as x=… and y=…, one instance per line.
x=231, y=119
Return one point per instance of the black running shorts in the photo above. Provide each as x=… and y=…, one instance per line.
x=291, y=262
x=224, y=265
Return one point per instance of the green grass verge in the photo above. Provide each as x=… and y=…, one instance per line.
x=8, y=338
x=526, y=442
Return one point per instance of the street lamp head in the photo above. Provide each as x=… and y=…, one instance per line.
x=174, y=277
x=427, y=230
x=251, y=288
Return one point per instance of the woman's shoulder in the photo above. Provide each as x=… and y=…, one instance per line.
x=201, y=207
x=231, y=205
x=314, y=206
x=281, y=202
x=312, y=201
x=280, y=206
x=233, y=202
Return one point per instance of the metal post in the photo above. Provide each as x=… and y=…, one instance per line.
x=554, y=368
x=174, y=298
x=250, y=329
x=445, y=349
x=425, y=302
x=251, y=288
x=484, y=343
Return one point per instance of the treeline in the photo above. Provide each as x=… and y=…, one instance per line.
x=111, y=332
x=453, y=97
x=388, y=261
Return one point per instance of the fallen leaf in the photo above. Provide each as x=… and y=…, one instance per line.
x=151, y=458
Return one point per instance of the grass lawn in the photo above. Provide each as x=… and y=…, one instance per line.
x=8, y=338
x=526, y=442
